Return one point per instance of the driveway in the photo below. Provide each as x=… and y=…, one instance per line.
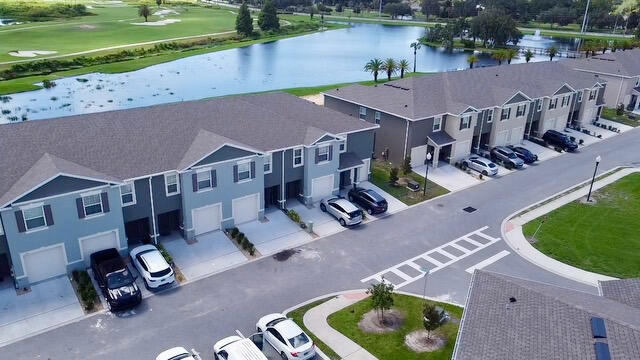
x=544, y=153
x=323, y=223
x=276, y=233
x=48, y=304
x=210, y=253
x=448, y=176
x=394, y=205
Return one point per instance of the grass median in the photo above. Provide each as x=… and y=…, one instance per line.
x=380, y=177
x=602, y=237
x=612, y=114
x=298, y=314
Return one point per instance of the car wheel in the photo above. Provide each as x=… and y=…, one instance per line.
x=323, y=208
x=370, y=211
x=284, y=356
x=350, y=198
x=485, y=173
x=342, y=222
x=464, y=166
x=509, y=166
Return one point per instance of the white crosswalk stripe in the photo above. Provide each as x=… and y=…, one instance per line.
x=435, y=259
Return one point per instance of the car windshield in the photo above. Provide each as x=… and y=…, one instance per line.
x=119, y=279
x=161, y=273
x=512, y=156
x=492, y=165
x=354, y=214
x=299, y=340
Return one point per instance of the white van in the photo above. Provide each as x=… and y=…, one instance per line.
x=239, y=348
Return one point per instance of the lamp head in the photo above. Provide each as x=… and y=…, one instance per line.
x=598, y=159
x=428, y=156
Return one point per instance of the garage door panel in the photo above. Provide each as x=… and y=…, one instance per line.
x=462, y=149
x=322, y=187
x=94, y=243
x=207, y=219
x=501, y=138
x=246, y=209
x=44, y=264
x=418, y=155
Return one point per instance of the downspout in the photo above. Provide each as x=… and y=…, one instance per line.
x=619, y=92
x=480, y=135
x=283, y=201
x=406, y=139
x=153, y=214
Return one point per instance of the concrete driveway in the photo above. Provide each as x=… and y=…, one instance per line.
x=448, y=176
x=48, y=304
x=323, y=223
x=394, y=205
x=211, y=253
x=544, y=153
x=277, y=233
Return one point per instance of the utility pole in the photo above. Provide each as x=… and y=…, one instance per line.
x=584, y=20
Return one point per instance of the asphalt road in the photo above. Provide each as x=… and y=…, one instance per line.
x=200, y=313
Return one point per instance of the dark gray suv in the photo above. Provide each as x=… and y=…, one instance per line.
x=506, y=157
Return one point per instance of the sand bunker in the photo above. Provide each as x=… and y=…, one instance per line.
x=165, y=12
x=86, y=27
x=158, y=23
x=31, y=53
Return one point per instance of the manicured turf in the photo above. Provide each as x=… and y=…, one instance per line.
x=602, y=237
x=112, y=26
x=304, y=91
x=298, y=314
x=390, y=346
x=610, y=114
x=380, y=177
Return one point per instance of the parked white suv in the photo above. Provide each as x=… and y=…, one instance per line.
x=176, y=353
x=347, y=213
x=152, y=266
x=286, y=337
x=239, y=348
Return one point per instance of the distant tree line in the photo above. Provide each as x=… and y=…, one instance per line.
x=27, y=11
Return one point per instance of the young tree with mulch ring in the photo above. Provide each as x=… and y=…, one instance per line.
x=381, y=298
x=432, y=319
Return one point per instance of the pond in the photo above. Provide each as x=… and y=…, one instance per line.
x=330, y=57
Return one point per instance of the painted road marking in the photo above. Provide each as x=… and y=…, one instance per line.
x=488, y=261
x=407, y=279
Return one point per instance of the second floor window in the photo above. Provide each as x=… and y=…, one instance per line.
x=592, y=94
x=323, y=153
x=520, y=110
x=553, y=103
x=377, y=117
x=437, y=124
x=506, y=113
x=540, y=105
x=297, y=157
x=128, y=194
x=580, y=96
x=465, y=122
x=171, y=182
x=343, y=146
x=204, y=180
x=92, y=204
x=363, y=112
x=267, y=163
x=489, y=115
x=34, y=218
x=244, y=171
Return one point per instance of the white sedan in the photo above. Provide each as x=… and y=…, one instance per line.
x=177, y=353
x=152, y=266
x=286, y=337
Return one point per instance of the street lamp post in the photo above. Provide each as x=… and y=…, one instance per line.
x=424, y=190
x=425, y=270
x=584, y=19
x=598, y=159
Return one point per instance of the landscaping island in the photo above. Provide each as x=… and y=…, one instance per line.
x=602, y=236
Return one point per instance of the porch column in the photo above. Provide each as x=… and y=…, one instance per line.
x=436, y=155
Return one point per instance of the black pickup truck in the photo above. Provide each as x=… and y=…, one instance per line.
x=115, y=280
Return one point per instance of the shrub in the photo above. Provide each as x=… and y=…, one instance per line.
x=165, y=254
x=393, y=175
x=469, y=44
x=245, y=243
x=234, y=232
x=620, y=109
x=252, y=250
x=48, y=84
x=293, y=215
x=406, y=165
x=240, y=237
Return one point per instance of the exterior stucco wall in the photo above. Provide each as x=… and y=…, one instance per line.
x=462, y=147
x=361, y=143
x=513, y=127
x=418, y=132
x=59, y=185
x=554, y=119
x=313, y=170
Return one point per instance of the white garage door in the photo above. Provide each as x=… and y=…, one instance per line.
x=246, y=208
x=44, y=264
x=516, y=136
x=207, y=218
x=363, y=172
x=418, y=155
x=93, y=243
x=501, y=138
x=462, y=149
x=321, y=187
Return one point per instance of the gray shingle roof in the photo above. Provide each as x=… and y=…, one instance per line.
x=136, y=142
x=626, y=291
x=544, y=322
x=349, y=160
x=441, y=138
x=420, y=97
x=625, y=63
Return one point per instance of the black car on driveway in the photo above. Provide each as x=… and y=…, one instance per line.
x=524, y=154
x=559, y=141
x=370, y=200
x=115, y=279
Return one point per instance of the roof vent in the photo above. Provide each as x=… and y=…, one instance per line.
x=512, y=299
x=405, y=105
x=597, y=328
x=602, y=351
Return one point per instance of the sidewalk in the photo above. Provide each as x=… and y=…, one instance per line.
x=316, y=321
x=512, y=231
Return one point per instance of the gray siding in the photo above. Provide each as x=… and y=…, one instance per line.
x=418, y=132
x=142, y=207
x=58, y=186
x=275, y=177
x=361, y=143
x=161, y=202
x=224, y=153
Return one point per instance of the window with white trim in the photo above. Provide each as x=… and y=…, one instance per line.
x=437, y=123
x=172, y=184
x=363, y=112
x=298, y=159
x=580, y=96
x=540, y=101
x=92, y=204
x=520, y=110
x=506, y=114
x=489, y=115
x=465, y=122
x=553, y=103
x=204, y=179
x=34, y=218
x=244, y=171
x=268, y=158
x=377, y=117
x=128, y=194
x=343, y=146
x=592, y=94
x=323, y=153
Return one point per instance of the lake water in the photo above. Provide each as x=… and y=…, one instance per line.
x=329, y=57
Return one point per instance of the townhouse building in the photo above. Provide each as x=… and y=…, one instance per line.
x=76, y=185
x=621, y=70
x=452, y=114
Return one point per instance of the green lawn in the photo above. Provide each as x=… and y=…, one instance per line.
x=610, y=114
x=297, y=316
x=304, y=91
x=390, y=346
x=602, y=237
x=547, y=26
x=380, y=177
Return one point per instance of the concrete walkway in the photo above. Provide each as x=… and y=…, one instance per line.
x=316, y=321
x=512, y=231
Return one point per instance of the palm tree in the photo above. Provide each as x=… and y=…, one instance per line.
x=528, y=55
x=415, y=46
x=587, y=47
x=403, y=65
x=390, y=66
x=499, y=55
x=510, y=54
x=374, y=66
x=552, y=52
x=144, y=11
x=472, y=60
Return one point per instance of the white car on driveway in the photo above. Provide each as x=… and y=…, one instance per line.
x=346, y=212
x=481, y=165
x=152, y=266
x=177, y=353
x=239, y=348
x=286, y=337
